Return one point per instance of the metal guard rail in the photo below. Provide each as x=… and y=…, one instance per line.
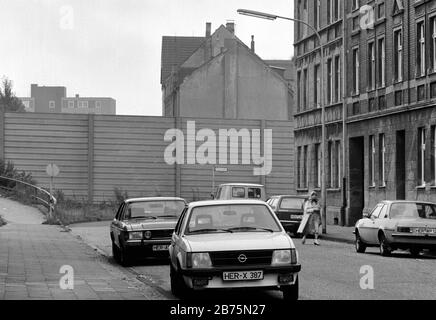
x=39, y=194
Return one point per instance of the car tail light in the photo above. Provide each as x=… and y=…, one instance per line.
x=294, y=258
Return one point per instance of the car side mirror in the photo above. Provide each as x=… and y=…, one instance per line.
x=212, y=196
x=367, y=215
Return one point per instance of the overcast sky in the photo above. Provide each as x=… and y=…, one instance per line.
x=112, y=48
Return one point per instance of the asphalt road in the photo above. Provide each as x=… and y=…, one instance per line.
x=329, y=272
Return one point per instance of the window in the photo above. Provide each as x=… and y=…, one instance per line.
x=421, y=92
x=329, y=81
x=371, y=69
x=433, y=43
x=336, y=9
x=238, y=192
x=380, y=11
x=317, y=86
x=337, y=87
x=371, y=161
x=382, y=102
x=98, y=104
x=52, y=105
x=298, y=91
x=305, y=175
x=318, y=165
x=420, y=54
x=338, y=164
x=421, y=156
x=330, y=164
x=356, y=71
x=71, y=104
x=382, y=160
x=329, y=11
x=299, y=184
x=398, y=98
x=355, y=4
x=381, y=62
x=305, y=88
x=317, y=7
x=398, y=55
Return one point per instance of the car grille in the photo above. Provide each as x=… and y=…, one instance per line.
x=232, y=258
x=161, y=234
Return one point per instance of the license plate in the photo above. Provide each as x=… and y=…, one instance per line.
x=243, y=276
x=296, y=217
x=161, y=248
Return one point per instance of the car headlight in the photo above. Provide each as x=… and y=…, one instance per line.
x=200, y=261
x=135, y=235
x=284, y=257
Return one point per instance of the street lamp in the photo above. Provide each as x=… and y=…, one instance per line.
x=268, y=16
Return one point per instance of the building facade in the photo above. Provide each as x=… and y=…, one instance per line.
x=225, y=79
x=54, y=100
x=389, y=101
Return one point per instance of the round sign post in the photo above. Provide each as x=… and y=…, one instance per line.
x=52, y=171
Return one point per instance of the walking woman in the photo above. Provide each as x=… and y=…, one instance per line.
x=312, y=216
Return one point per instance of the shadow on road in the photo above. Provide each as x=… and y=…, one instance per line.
x=405, y=255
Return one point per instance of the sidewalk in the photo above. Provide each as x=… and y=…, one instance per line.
x=339, y=234
x=31, y=256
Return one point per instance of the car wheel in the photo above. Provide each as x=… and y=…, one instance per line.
x=290, y=293
x=415, y=252
x=124, y=257
x=360, y=246
x=178, y=285
x=385, y=249
x=115, y=252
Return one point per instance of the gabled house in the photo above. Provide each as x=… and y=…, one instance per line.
x=223, y=78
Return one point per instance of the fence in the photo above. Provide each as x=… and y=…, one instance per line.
x=97, y=153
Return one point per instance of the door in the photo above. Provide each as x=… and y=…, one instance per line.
x=400, y=163
x=366, y=229
x=357, y=180
x=377, y=223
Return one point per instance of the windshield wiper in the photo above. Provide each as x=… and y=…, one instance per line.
x=141, y=218
x=167, y=216
x=250, y=229
x=210, y=230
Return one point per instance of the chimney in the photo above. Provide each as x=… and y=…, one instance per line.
x=231, y=26
x=208, y=29
x=252, y=44
x=77, y=96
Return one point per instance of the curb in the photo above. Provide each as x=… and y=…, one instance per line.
x=334, y=239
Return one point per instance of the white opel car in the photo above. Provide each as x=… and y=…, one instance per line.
x=232, y=244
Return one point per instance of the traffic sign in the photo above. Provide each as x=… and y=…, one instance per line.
x=52, y=170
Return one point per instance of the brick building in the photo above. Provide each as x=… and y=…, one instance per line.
x=389, y=96
x=218, y=76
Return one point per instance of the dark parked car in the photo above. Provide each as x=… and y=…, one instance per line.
x=143, y=227
x=289, y=209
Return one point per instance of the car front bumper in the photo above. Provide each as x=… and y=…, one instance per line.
x=215, y=280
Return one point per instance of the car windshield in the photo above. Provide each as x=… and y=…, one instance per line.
x=232, y=219
x=292, y=203
x=413, y=210
x=155, y=209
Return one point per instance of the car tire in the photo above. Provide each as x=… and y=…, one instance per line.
x=178, y=285
x=385, y=249
x=360, y=246
x=124, y=257
x=290, y=293
x=415, y=252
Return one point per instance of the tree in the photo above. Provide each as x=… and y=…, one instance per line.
x=8, y=101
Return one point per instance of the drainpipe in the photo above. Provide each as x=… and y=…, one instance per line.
x=344, y=118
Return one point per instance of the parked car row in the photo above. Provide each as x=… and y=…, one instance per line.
x=211, y=244
x=241, y=239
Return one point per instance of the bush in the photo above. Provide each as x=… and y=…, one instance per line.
x=16, y=190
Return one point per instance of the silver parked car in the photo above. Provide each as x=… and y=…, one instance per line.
x=398, y=225
x=232, y=244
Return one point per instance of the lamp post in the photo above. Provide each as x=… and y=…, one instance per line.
x=268, y=16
